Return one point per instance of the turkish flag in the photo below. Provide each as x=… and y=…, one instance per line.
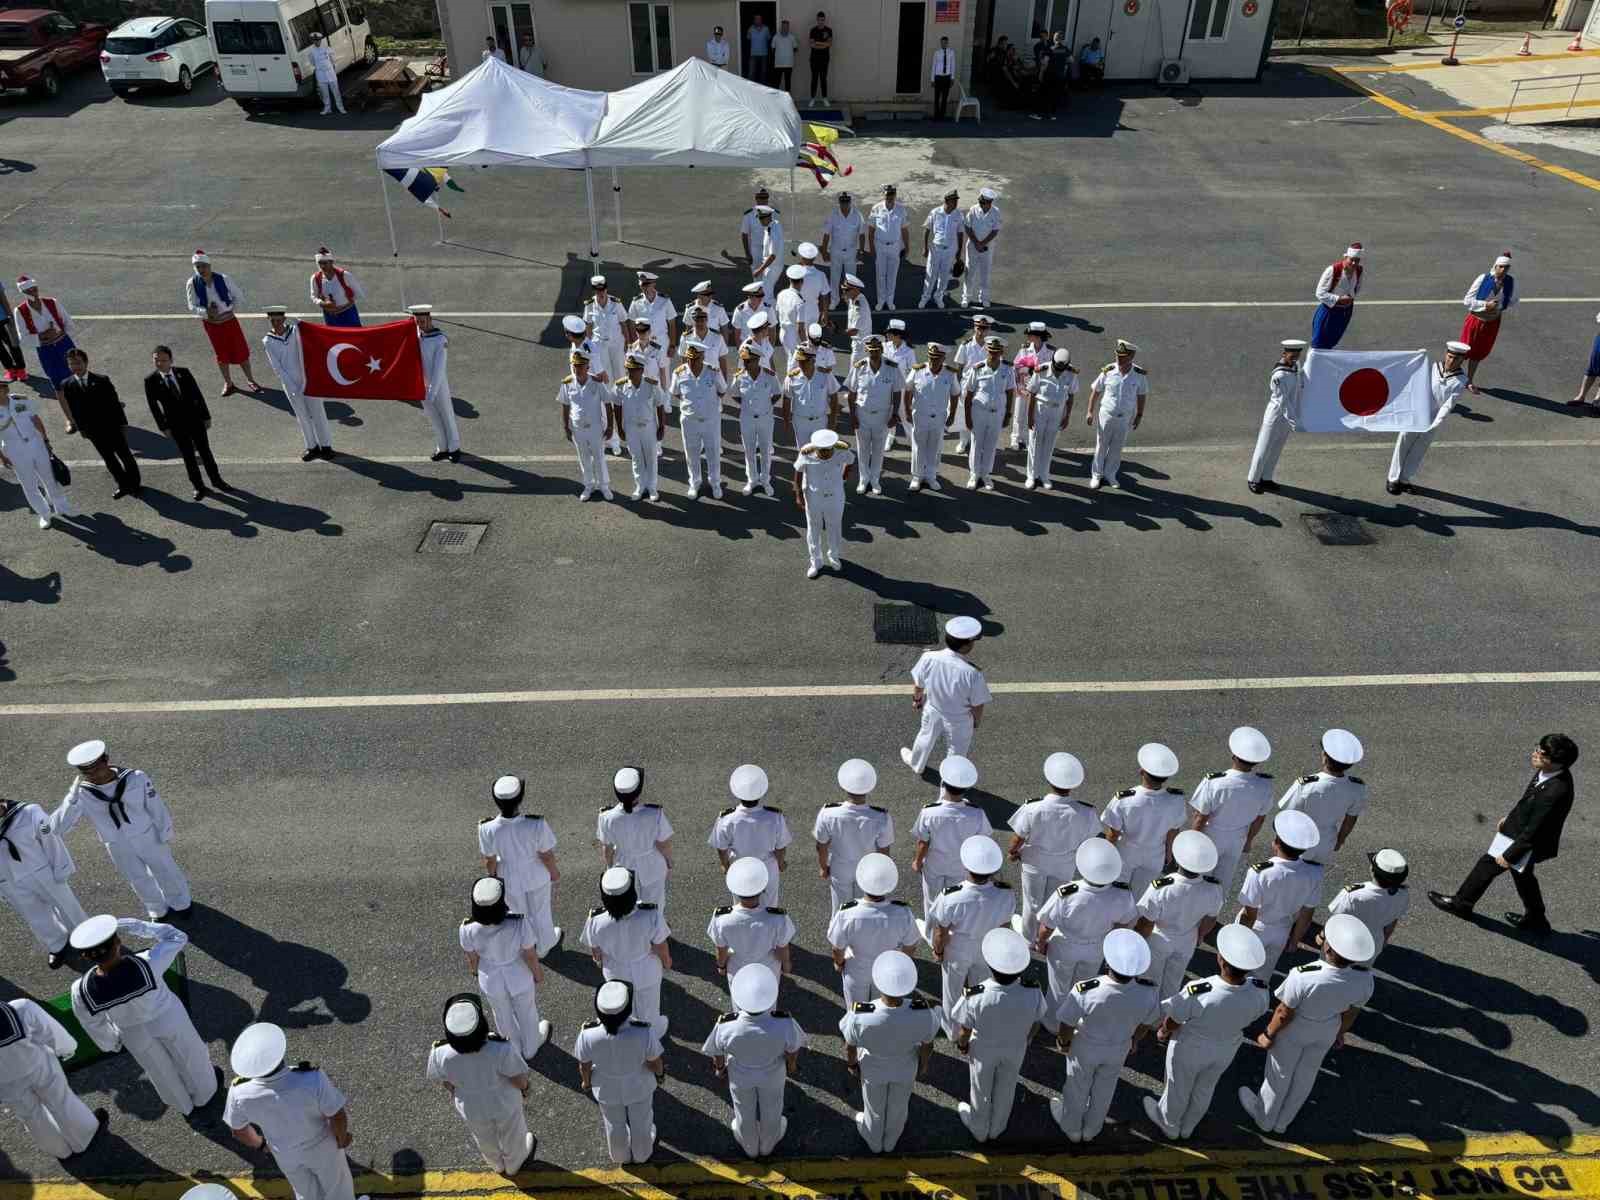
x=1384, y=391
x=362, y=362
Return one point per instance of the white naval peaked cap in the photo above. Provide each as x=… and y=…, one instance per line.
x=894, y=974
x=1293, y=343
x=1062, y=357
x=507, y=787
x=964, y=629
x=809, y=250
x=852, y=280
x=578, y=354
x=1457, y=347
x=1342, y=746
x=958, y=772
x=764, y=210
x=647, y=276
x=1038, y=327
x=876, y=874
x=693, y=345
x=85, y=753
x=952, y=192
x=1006, y=951
x=1295, y=829
x=1063, y=770
x=994, y=342
x=857, y=776
x=1126, y=952
x=276, y=310
x=1098, y=861
x=208, y=1191
x=612, y=997
x=96, y=931
x=802, y=353
x=987, y=193
x=896, y=325
x=1240, y=946
x=823, y=439
x=461, y=1018
x=1157, y=760
x=748, y=782
x=814, y=331
x=747, y=877
x=633, y=358
x=1249, y=744
x=488, y=890
x=795, y=271
x=983, y=319
x=1194, y=851
x=198, y=257
x=417, y=310
x=615, y=880
x=258, y=1050
x=980, y=855
x=1349, y=937
x=936, y=348
x=700, y=288
x=760, y=321
x=754, y=988
x=597, y=281
x=627, y=779
x=574, y=324
x=753, y=289
x=1391, y=862
x=872, y=340
x=1126, y=347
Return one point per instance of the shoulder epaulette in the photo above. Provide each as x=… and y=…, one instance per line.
x=772, y=808
x=748, y=211
x=238, y=1079
x=637, y=1024
x=1199, y=988
x=1261, y=866
x=1085, y=803
x=1310, y=967
x=1161, y=881
x=728, y=812
x=1033, y=983
x=646, y=905
x=1212, y=879
x=901, y=903
x=1124, y=792
x=733, y=1016
x=1067, y=889
x=650, y=806
x=1146, y=982
x=1356, y=779
x=931, y=804
x=514, y=916
x=605, y=808
x=1124, y=885
x=1312, y=778
x=877, y=808
x=1213, y=775
x=1140, y=370
x=595, y=912
x=1260, y=983
x=954, y=887
x=533, y=816
x=782, y=912
x=722, y=910
x=1353, y=887
x=466, y=920
x=847, y=904
x=304, y=1066
x=1359, y=967
x=486, y=820
x=974, y=989
x=783, y=1014
x=1263, y=775
x=864, y=1006
x=833, y=804
x=1175, y=791
x=1001, y=883
x=1088, y=985
x=918, y=1003
x=591, y=1023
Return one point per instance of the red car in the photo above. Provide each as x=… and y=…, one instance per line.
x=38, y=46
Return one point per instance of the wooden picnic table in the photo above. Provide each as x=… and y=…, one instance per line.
x=391, y=79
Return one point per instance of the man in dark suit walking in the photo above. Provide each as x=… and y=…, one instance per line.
x=180, y=412
x=1534, y=829
x=92, y=402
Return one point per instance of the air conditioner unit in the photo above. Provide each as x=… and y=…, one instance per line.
x=1173, y=73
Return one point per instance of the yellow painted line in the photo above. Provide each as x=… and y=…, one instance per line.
x=1433, y=122
x=1502, y=1166
x=1520, y=108
x=1436, y=65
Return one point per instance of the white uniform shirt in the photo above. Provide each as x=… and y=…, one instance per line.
x=944, y=227
x=969, y=353
x=981, y=224
x=750, y=831
x=764, y=349
x=716, y=348
x=698, y=396
x=717, y=51
x=632, y=837
x=233, y=303
x=944, y=64
x=1052, y=829
x=1083, y=913
x=754, y=1045
x=769, y=244
x=888, y=1040
x=742, y=315
x=952, y=683
x=755, y=397
x=654, y=313
x=1144, y=816
x=944, y=824
x=127, y=807
x=1214, y=1009
x=517, y=842
x=655, y=365
x=876, y=391
x=1176, y=904
x=1233, y=799
x=322, y=63
x=903, y=355
x=750, y=935
x=586, y=402
x=341, y=291
x=1283, y=389
x=606, y=320
x=887, y=225
x=866, y=928
x=434, y=346
x=844, y=233
x=823, y=357
x=29, y=1039
x=618, y=1074
x=1278, y=889
x=29, y=846
x=858, y=317
x=1327, y=800
x=498, y=946
x=133, y=992
x=808, y=398
x=1051, y=393
x=17, y=430
x=481, y=1080
x=283, y=352
x=1375, y=907
x=989, y=385
x=1447, y=390
x=1106, y=1011
x=930, y=396
x=970, y=910
x=1001, y=1016
x=851, y=831
x=625, y=940
x=824, y=477
x=750, y=227
x=291, y=1107
x=1322, y=992
x=790, y=307
x=640, y=404
x=1120, y=393
x=812, y=288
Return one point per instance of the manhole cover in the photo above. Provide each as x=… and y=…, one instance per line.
x=453, y=537
x=1337, y=529
x=907, y=624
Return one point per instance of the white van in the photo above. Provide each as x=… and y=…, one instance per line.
x=264, y=46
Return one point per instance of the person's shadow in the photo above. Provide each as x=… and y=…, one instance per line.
x=18, y=589
x=1482, y=994
x=111, y=537
x=302, y=985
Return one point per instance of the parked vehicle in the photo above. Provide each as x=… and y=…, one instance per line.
x=264, y=46
x=39, y=46
x=156, y=51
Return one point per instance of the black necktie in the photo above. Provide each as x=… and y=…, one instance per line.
x=172, y=383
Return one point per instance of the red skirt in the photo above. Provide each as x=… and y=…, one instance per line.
x=1480, y=335
x=227, y=341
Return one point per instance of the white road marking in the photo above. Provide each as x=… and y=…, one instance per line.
x=808, y=691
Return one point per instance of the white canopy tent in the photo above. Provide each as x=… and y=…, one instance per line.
x=692, y=116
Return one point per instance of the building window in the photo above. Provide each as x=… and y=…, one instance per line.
x=650, y=32
x=1209, y=21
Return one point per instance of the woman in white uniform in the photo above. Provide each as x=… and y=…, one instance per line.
x=486, y=1079
x=33, y=1045
x=502, y=947
x=637, y=836
x=25, y=448
x=627, y=939
x=619, y=1064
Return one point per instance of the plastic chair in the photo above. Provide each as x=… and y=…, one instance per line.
x=964, y=101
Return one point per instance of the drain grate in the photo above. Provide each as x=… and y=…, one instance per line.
x=904, y=624
x=453, y=537
x=1337, y=529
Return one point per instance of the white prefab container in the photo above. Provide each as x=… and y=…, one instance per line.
x=264, y=46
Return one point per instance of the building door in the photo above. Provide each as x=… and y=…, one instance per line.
x=747, y=12
x=909, y=66
x=510, y=22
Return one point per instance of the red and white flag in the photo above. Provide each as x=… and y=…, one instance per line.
x=1384, y=391
x=362, y=362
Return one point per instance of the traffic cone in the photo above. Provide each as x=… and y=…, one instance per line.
x=1577, y=41
x=1527, y=40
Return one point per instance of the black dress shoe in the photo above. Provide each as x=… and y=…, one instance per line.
x=1449, y=904
x=182, y=914
x=1535, y=928
x=455, y=456
x=439, y=456
x=201, y=493
x=310, y=455
x=1269, y=485
x=1255, y=488
x=327, y=453
x=138, y=490
x=120, y=493
x=57, y=959
x=221, y=485
x=1394, y=489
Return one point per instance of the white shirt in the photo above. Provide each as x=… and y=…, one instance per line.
x=858, y=319
x=640, y=404
x=902, y=355
x=134, y=992
x=1216, y=1010
x=1144, y=816
x=625, y=941
x=851, y=831
x=1052, y=829
x=1327, y=800
x=944, y=64
x=291, y=1107
x=888, y=1039
x=531, y=60
x=1322, y=992
x=887, y=224
x=764, y=349
x=969, y=354
x=750, y=935
x=876, y=391
x=191, y=293
x=1120, y=393
x=1329, y=293
x=755, y=397
x=784, y=46
x=516, y=843
x=283, y=352
x=944, y=226
x=329, y=286
x=843, y=233
x=812, y=288
x=26, y=1055
x=499, y=947
x=618, y=1074
x=1001, y=1017
x=606, y=320
x=1105, y=1011
x=43, y=319
x=808, y=398
x=824, y=477
x=1233, y=799
x=791, y=309
x=435, y=347
x=755, y=1045
x=750, y=227
x=1447, y=390
x=970, y=910
x=25, y=832
x=953, y=685
x=864, y=929
x=981, y=224
x=750, y=831
x=931, y=395
x=1278, y=889
x=1176, y=904
x=1375, y=907
x=944, y=824
x=717, y=52
x=480, y=1081
x=655, y=313
x=988, y=385
x=1082, y=913
x=1479, y=307
x=698, y=396
x=129, y=807
x=1052, y=393
x=326, y=72
x=633, y=837
x=585, y=402
x=743, y=313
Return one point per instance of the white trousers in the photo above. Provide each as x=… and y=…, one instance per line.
x=824, y=519
x=1407, y=458
x=1092, y=1073
x=1019, y=418
x=937, y=273
x=1194, y=1064
x=175, y=1059
x=442, y=414
x=842, y=261
x=883, y=1106
x=59, y=1122
x=701, y=438
x=771, y=280
x=651, y=891
x=1229, y=851
x=514, y=1001
x=504, y=1142
x=316, y=1172
x=975, y=283
x=630, y=1129
x=856, y=980
x=610, y=353
x=1066, y=964
x=1041, y=443
x=1139, y=871
x=758, y=1114
x=328, y=89
x=1269, y=443
x=1037, y=884
x=45, y=496
x=926, y=442
x=994, y=1087
x=149, y=867
x=986, y=426
x=1273, y=939
x=1110, y=435
x=589, y=444
x=312, y=417
x=841, y=882
x=886, y=273
x=955, y=728
x=953, y=977
x=804, y=427
x=644, y=973
x=642, y=449
x=756, y=434
x=1169, y=959
x=934, y=882
x=534, y=905
x=870, y=440
x=50, y=909
x=1292, y=1065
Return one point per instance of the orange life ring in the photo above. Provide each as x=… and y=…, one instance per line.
x=1131, y=7
x=1399, y=15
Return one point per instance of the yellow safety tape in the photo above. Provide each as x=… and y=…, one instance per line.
x=1520, y=108
x=1397, y=68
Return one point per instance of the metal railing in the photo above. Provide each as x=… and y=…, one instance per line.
x=1537, y=83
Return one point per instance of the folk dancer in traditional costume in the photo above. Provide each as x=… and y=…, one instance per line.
x=1336, y=299
x=1487, y=300
x=335, y=291
x=215, y=299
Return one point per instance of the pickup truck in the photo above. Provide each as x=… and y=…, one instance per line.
x=38, y=46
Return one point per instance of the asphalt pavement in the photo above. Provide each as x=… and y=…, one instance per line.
x=332, y=848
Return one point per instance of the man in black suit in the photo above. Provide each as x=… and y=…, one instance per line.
x=181, y=413
x=1534, y=827
x=92, y=402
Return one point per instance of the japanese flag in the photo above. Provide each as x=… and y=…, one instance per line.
x=1386, y=391
x=371, y=362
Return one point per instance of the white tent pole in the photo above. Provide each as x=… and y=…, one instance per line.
x=444, y=239
x=394, y=245
x=616, y=195
x=594, y=227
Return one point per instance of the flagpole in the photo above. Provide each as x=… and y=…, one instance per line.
x=616, y=195
x=394, y=245
x=438, y=212
x=594, y=230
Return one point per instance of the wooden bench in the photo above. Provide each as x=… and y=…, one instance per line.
x=391, y=79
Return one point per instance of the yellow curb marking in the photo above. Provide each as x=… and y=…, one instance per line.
x=1400, y=68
